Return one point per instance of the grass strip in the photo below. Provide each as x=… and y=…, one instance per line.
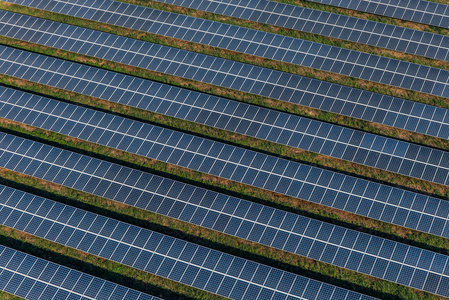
x=368, y=16
x=294, y=205
x=234, y=139
x=232, y=245
x=245, y=58
x=299, y=34
x=99, y=267
x=236, y=95
x=8, y=296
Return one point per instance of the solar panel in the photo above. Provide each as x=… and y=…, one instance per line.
x=300, y=235
x=383, y=153
x=283, y=86
x=318, y=56
x=29, y=277
x=273, y=13
x=356, y=103
x=425, y=12
x=158, y=254
x=328, y=24
x=229, y=162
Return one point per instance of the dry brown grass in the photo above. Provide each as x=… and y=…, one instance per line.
x=229, y=244
x=255, y=194
x=303, y=71
x=368, y=16
x=228, y=93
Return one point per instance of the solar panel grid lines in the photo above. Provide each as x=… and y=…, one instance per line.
x=313, y=184
x=297, y=18
x=297, y=234
x=158, y=254
x=29, y=277
x=304, y=91
x=304, y=53
x=383, y=153
x=422, y=270
x=425, y=12
x=318, y=56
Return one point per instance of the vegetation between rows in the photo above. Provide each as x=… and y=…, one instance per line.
x=368, y=16
x=155, y=285
x=264, y=197
x=245, y=58
x=236, y=95
x=311, y=36
x=8, y=296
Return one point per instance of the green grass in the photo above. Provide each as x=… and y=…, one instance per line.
x=234, y=138
x=139, y=280
x=367, y=16
x=8, y=296
x=239, y=96
x=357, y=83
x=105, y=269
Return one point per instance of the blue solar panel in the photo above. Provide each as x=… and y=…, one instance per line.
x=155, y=253
x=33, y=278
x=318, y=56
x=425, y=12
x=286, y=87
x=229, y=162
x=328, y=24
x=273, y=13
x=384, y=153
x=300, y=235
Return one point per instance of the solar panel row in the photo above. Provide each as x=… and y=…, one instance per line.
x=324, y=57
x=289, y=16
x=328, y=188
x=425, y=12
x=159, y=254
x=388, y=154
x=286, y=87
x=32, y=278
x=387, y=262
x=242, y=118
x=303, y=236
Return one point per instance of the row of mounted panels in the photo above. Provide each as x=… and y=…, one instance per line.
x=419, y=11
x=307, y=237
x=156, y=253
x=336, y=141
x=367, y=198
x=261, y=81
x=351, y=63
x=33, y=278
x=321, y=241
x=302, y=19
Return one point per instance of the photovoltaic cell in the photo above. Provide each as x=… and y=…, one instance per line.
x=279, y=14
x=327, y=24
x=155, y=253
x=290, y=178
x=283, y=86
x=318, y=56
x=383, y=153
x=29, y=277
x=419, y=11
x=251, y=221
